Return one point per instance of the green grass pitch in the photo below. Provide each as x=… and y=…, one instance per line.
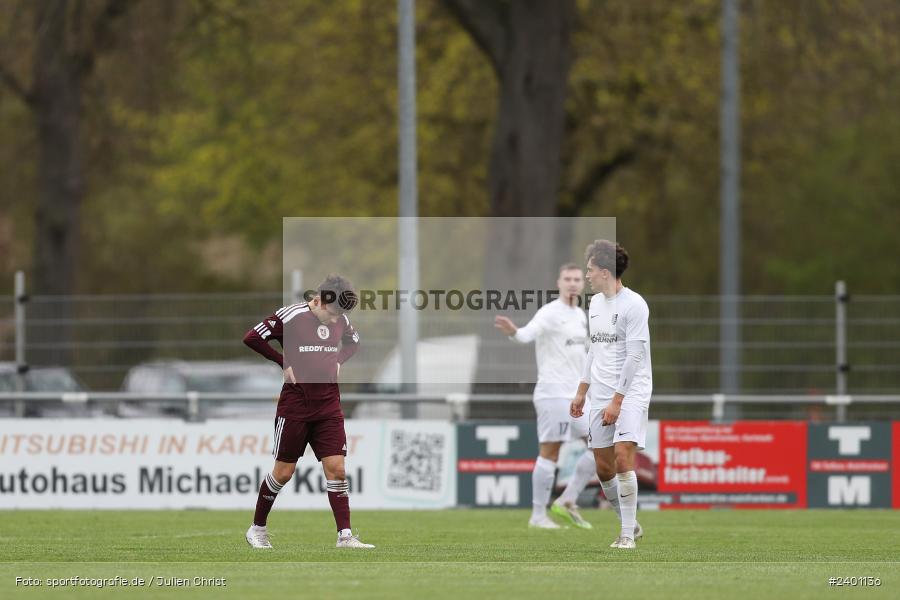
x=460, y=554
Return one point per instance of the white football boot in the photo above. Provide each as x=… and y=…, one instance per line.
x=351, y=541
x=544, y=522
x=625, y=543
x=638, y=534
x=258, y=537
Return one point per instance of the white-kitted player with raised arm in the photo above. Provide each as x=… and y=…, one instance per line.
x=619, y=381
x=559, y=330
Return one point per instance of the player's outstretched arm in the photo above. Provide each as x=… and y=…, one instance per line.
x=523, y=335
x=505, y=325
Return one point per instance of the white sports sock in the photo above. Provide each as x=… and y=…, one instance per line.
x=611, y=491
x=628, y=489
x=541, y=484
x=345, y=533
x=585, y=468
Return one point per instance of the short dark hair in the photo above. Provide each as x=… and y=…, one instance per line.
x=570, y=266
x=338, y=289
x=604, y=252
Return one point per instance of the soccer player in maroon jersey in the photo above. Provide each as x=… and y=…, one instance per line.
x=319, y=339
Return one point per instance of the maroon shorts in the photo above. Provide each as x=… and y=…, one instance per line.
x=326, y=437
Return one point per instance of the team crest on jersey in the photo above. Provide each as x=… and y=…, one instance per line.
x=323, y=332
x=615, y=318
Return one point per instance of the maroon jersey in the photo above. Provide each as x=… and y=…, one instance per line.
x=313, y=350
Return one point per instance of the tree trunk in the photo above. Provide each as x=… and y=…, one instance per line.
x=527, y=147
x=57, y=88
x=526, y=154
x=58, y=83
x=527, y=42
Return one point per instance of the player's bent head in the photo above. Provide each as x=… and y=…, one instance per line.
x=338, y=292
x=604, y=254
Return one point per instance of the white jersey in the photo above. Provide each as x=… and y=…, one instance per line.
x=560, y=335
x=613, y=322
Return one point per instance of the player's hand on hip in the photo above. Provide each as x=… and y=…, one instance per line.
x=576, y=409
x=505, y=325
x=610, y=414
x=289, y=375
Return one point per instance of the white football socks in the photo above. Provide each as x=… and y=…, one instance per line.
x=585, y=468
x=611, y=491
x=541, y=483
x=628, y=489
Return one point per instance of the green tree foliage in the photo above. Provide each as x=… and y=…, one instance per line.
x=821, y=195
x=274, y=110
x=209, y=121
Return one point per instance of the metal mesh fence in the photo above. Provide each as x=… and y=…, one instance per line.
x=788, y=342
x=101, y=337
x=873, y=343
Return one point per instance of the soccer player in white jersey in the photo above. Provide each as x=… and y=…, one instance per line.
x=559, y=330
x=618, y=378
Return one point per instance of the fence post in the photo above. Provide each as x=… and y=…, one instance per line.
x=841, y=298
x=297, y=286
x=193, y=406
x=718, y=408
x=21, y=297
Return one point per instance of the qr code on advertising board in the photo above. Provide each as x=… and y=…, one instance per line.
x=417, y=461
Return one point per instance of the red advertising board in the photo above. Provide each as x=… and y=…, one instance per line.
x=746, y=464
x=895, y=458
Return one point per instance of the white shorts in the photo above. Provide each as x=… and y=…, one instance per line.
x=631, y=426
x=555, y=424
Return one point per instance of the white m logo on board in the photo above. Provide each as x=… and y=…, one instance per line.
x=502, y=490
x=853, y=490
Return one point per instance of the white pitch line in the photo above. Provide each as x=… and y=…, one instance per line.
x=448, y=562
